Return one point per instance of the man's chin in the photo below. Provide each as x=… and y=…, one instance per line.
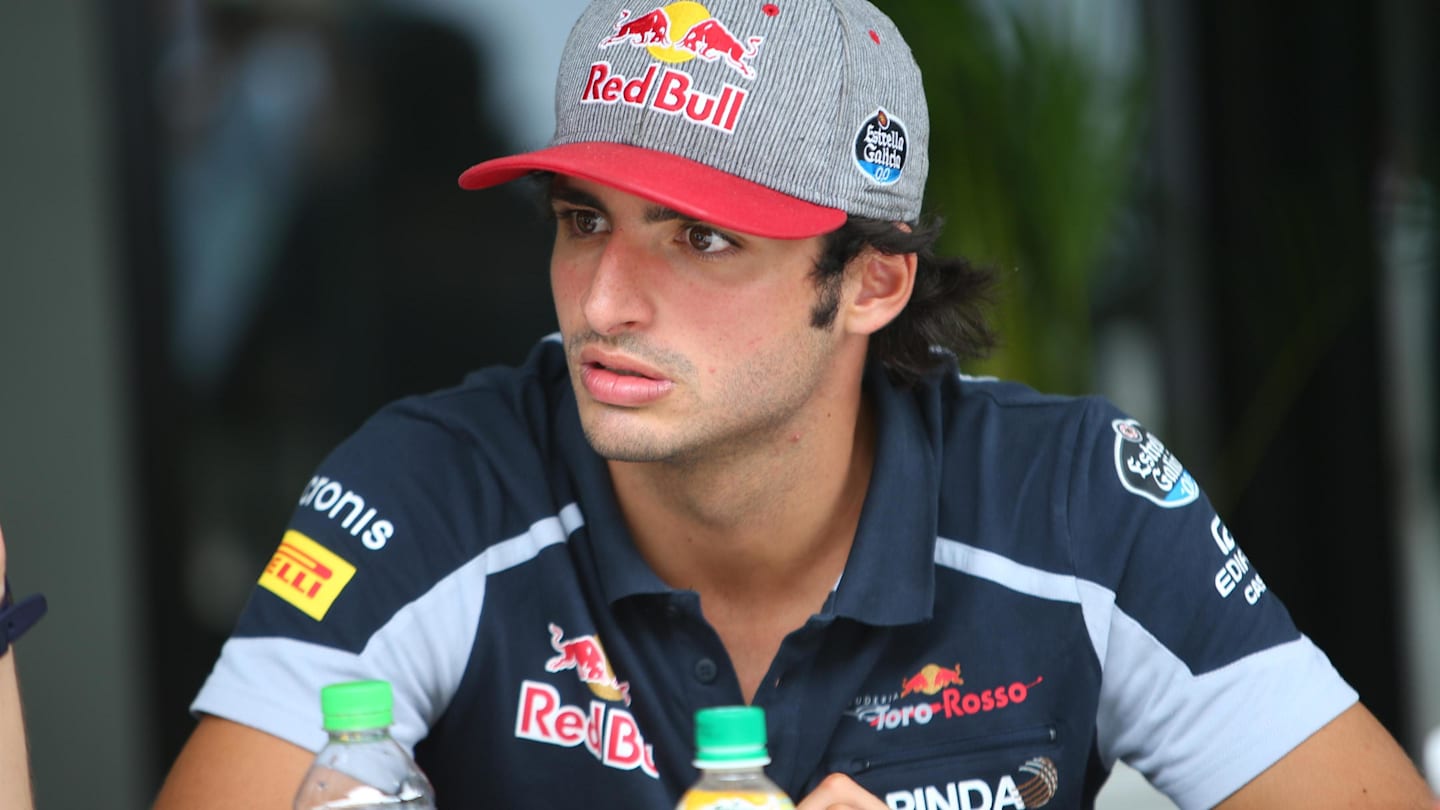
x=630, y=452
x=630, y=443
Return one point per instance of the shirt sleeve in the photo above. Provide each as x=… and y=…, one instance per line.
x=372, y=579
x=1206, y=681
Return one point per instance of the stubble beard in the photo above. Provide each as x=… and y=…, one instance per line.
x=758, y=405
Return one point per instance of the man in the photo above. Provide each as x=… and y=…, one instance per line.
x=15, y=619
x=741, y=473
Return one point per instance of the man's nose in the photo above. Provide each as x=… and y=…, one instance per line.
x=618, y=298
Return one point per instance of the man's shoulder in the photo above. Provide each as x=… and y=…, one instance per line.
x=1014, y=413
x=971, y=391
x=1000, y=443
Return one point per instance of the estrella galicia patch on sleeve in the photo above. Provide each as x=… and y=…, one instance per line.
x=1147, y=469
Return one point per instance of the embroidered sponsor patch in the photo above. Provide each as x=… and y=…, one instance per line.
x=880, y=148
x=1033, y=784
x=609, y=732
x=1237, y=568
x=682, y=31
x=673, y=35
x=585, y=655
x=1147, y=469
x=306, y=574
x=936, y=692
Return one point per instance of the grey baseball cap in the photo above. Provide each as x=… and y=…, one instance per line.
x=770, y=118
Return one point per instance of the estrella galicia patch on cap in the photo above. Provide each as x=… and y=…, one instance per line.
x=880, y=148
x=1147, y=469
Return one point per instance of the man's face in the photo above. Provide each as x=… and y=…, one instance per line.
x=684, y=341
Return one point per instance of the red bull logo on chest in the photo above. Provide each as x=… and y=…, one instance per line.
x=610, y=733
x=673, y=35
x=585, y=655
x=931, y=679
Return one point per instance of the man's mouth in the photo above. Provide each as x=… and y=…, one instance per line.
x=624, y=372
x=618, y=385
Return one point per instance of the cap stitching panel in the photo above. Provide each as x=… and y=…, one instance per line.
x=838, y=136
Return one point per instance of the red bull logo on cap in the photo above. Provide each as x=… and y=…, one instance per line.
x=682, y=31
x=675, y=34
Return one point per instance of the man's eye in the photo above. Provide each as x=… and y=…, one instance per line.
x=586, y=221
x=705, y=240
x=582, y=221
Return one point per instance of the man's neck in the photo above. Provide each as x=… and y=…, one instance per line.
x=782, y=514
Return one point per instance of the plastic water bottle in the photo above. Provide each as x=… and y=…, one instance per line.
x=362, y=767
x=731, y=755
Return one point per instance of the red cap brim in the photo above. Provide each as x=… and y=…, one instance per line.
x=691, y=188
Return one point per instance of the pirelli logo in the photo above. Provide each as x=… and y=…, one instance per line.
x=306, y=574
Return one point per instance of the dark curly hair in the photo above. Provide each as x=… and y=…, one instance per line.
x=948, y=308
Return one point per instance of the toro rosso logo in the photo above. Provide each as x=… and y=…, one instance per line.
x=683, y=31
x=585, y=655
x=949, y=699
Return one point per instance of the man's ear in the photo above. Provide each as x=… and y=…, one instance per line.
x=881, y=284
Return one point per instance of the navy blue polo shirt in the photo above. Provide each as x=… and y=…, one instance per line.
x=1037, y=588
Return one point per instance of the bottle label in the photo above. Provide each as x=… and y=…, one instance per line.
x=711, y=800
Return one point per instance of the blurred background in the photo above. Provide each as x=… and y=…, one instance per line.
x=230, y=230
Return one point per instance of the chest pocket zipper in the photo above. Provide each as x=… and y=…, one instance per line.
x=972, y=746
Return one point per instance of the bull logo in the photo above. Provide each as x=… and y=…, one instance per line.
x=931, y=679
x=585, y=655
x=711, y=40
x=645, y=30
x=683, y=31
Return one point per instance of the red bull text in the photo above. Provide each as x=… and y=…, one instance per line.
x=672, y=94
x=609, y=733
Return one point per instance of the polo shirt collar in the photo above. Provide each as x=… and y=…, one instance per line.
x=889, y=578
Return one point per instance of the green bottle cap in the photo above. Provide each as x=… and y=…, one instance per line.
x=357, y=705
x=730, y=735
